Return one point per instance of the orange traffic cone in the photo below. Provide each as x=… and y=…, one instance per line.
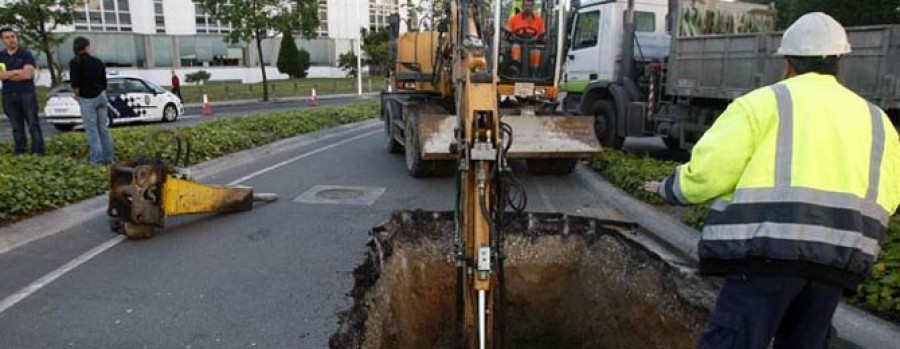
x=207, y=109
x=314, y=98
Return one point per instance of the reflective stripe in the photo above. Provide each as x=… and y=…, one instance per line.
x=799, y=213
x=813, y=196
x=719, y=204
x=670, y=189
x=793, y=232
x=676, y=187
x=785, y=146
x=846, y=258
x=877, y=153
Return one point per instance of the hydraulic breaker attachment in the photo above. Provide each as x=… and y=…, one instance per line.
x=143, y=193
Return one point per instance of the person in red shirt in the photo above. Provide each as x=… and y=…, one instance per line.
x=525, y=22
x=176, y=85
x=526, y=26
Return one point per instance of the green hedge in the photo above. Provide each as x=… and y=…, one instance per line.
x=30, y=185
x=880, y=293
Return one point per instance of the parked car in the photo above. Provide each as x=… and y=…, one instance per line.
x=131, y=99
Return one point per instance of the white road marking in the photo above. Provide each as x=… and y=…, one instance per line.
x=17, y=297
x=37, y=285
x=300, y=157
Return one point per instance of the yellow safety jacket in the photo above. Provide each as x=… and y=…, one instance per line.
x=804, y=175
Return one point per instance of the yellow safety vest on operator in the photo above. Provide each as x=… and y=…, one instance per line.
x=804, y=175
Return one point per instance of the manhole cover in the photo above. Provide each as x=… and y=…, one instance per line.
x=340, y=195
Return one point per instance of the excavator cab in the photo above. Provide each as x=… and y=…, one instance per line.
x=528, y=42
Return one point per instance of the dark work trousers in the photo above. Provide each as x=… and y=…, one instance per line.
x=22, y=109
x=752, y=309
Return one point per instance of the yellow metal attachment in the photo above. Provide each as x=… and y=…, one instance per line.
x=187, y=197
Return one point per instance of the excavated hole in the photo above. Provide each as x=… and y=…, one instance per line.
x=571, y=282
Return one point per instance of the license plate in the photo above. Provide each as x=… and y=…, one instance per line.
x=60, y=111
x=524, y=89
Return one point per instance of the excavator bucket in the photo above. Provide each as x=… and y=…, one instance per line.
x=534, y=136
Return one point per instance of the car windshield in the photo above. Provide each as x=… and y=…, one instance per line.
x=528, y=44
x=63, y=89
x=154, y=87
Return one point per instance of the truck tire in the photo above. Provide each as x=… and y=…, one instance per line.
x=551, y=167
x=605, y=124
x=415, y=165
x=672, y=143
x=390, y=143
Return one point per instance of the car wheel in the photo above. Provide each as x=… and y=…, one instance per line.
x=63, y=127
x=170, y=114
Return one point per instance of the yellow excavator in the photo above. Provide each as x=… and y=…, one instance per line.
x=471, y=95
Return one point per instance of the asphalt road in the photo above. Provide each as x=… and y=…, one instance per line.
x=193, y=116
x=271, y=278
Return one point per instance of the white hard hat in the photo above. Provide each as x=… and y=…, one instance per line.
x=814, y=34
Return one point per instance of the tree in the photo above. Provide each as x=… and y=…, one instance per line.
x=848, y=12
x=304, y=63
x=347, y=63
x=255, y=19
x=198, y=77
x=289, y=57
x=36, y=21
x=376, y=49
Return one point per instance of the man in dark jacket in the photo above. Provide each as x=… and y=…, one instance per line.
x=19, y=96
x=88, y=76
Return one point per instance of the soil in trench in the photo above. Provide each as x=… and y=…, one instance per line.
x=571, y=282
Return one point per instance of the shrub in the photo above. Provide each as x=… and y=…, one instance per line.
x=30, y=185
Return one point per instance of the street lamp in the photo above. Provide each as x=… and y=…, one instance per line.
x=358, y=50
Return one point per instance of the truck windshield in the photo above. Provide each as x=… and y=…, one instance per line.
x=528, y=41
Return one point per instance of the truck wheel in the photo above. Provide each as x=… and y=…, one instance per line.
x=390, y=143
x=672, y=143
x=605, y=124
x=415, y=165
x=551, y=167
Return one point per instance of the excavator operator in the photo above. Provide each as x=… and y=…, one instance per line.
x=525, y=22
x=525, y=28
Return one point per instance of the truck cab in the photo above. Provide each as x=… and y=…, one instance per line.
x=594, y=55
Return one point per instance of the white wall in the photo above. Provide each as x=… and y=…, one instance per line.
x=142, y=16
x=342, y=23
x=180, y=17
x=246, y=75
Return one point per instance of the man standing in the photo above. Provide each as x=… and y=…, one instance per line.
x=19, y=95
x=804, y=174
x=88, y=76
x=176, y=85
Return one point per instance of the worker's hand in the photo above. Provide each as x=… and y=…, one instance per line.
x=652, y=186
x=5, y=75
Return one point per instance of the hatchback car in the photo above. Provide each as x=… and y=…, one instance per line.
x=130, y=99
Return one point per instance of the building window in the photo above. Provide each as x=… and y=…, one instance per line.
x=160, y=16
x=207, y=24
x=102, y=15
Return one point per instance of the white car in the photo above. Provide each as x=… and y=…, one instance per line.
x=130, y=99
